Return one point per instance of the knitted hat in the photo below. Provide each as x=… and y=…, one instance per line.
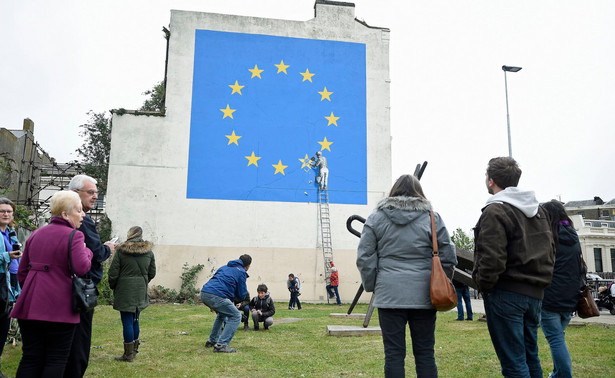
x=135, y=232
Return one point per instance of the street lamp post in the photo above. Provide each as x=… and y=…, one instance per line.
x=508, y=69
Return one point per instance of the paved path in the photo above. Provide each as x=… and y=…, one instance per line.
x=604, y=318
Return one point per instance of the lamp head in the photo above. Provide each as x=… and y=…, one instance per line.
x=511, y=68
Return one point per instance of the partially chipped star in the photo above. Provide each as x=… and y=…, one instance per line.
x=325, y=145
x=252, y=159
x=236, y=88
x=233, y=138
x=255, y=72
x=305, y=162
x=228, y=112
x=307, y=75
x=282, y=67
x=332, y=119
x=279, y=168
x=325, y=94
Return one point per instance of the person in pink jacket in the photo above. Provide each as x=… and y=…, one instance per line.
x=44, y=308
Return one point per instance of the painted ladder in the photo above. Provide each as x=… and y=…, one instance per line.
x=325, y=233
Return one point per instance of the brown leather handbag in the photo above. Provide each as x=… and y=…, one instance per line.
x=586, y=306
x=441, y=289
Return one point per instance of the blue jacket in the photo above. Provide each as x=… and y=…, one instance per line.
x=5, y=261
x=229, y=281
x=92, y=241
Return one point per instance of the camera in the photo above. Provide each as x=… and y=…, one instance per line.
x=16, y=245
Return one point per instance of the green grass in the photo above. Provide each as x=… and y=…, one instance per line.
x=173, y=338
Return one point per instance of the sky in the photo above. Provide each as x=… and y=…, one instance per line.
x=61, y=59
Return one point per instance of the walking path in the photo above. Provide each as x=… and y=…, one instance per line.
x=604, y=318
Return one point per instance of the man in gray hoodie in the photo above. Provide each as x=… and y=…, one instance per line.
x=513, y=263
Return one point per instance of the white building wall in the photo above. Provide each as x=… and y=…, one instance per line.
x=149, y=159
x=595, y=237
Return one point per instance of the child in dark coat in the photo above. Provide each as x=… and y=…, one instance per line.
x=262, y=308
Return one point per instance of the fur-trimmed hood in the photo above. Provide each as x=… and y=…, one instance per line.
x=135, y=247
x=403, y=210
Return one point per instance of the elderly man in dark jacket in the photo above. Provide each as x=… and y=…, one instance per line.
x=227, y=284
x=513, y=263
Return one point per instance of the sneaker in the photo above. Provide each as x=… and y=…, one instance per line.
x=482, y=318
x=246, y=327
x=469, y=319
x=209, y=344
x=221, y=348
x=266, y=328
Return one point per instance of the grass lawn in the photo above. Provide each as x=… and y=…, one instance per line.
x=173, y=338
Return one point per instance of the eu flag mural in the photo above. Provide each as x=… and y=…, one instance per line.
x=262, y=106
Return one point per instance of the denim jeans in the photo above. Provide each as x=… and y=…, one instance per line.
x=554, y=325
x=294, y=299
x=130, y=325
x=422, y=325
x=226, y=312
x=513, y=321
x=332, y=290
x=463, y=293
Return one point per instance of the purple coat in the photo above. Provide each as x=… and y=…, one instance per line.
x=44, y=274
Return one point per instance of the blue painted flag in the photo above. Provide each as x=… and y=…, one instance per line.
x=262, y=106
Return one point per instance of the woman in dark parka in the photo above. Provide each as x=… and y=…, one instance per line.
x=132, y=268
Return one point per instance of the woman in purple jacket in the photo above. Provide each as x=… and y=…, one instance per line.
x=44, y=308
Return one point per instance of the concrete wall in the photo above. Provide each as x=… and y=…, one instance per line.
x=149, y=159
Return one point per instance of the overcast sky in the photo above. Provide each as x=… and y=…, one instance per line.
x=60, y=59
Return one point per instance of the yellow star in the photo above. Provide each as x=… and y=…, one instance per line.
x=255, y=72
x=252, y=159
x=324, y=145
x=282, y=67
x=307, y=75
x=332, y=119
x=305, y=162
x=325, y=94
x=236, y=87
x=279, y=168
x=228, y=112
x=233, y=138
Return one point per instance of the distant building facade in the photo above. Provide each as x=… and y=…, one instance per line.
x=597, y=238
x=592, y=209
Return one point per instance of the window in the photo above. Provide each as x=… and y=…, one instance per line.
x=612, y=259
x=598, y=259
x=605, y=213
x=582, y=213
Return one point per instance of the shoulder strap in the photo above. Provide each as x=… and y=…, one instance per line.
x=70, y=259
x=434, y=236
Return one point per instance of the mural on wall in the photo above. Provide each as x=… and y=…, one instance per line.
x=262, y=106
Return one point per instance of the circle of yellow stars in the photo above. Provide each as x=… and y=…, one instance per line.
x=282, y=67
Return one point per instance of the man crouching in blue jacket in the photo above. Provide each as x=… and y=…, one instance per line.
x=218, y=294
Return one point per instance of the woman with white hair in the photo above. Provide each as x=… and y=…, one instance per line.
x=44, y=308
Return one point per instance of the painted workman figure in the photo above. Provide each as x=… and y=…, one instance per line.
x=323, y=171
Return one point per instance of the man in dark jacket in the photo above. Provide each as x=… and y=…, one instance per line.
x=85, y=186
x=227, y=284
x=262, y=308
x=513, y=263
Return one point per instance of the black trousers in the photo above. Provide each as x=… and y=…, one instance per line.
x=46, y=346
x=5, y=325
x=80, y=350
x=422, y=325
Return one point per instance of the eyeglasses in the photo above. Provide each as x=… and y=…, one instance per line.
x=89, y=192
x=6, y=211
